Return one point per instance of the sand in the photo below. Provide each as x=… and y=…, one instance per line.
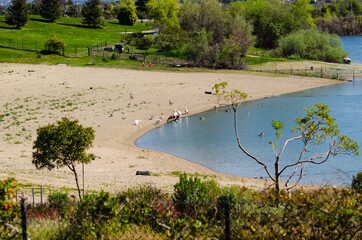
x=32, y=96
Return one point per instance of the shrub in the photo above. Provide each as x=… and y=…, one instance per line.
x=357, y=183
x=54, y=45
x=9, y=212
x=312, y=44
x=144, y=43
x=190, y=193
x=58, y=199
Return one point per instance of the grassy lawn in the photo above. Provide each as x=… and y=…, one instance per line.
x=37, y=31
x=78, y=37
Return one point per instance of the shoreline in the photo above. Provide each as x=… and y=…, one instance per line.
x=36, y=95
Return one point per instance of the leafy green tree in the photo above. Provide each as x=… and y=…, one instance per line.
x=315, y=128
x=64, y=144
x=17, y=13
x=164, y=12
x=270, y=19
x=127, y=15
x=92, y=13
x=50, y=10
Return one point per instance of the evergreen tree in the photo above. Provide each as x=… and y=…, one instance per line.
x=92, y=13
x=18, y=13
x=50, y=10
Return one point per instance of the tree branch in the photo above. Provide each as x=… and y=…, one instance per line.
x=242, y=148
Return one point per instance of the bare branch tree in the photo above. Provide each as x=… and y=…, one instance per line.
x=315, y=129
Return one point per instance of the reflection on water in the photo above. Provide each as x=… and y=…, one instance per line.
x=212, y=142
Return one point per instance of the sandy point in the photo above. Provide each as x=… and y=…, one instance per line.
x=110, y=100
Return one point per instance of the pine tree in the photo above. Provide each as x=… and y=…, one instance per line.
x=18, y=13
x=50, y=10
x=92, y=13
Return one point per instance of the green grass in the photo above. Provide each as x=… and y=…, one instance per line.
x=37, y=31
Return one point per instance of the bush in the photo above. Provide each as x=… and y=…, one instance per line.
x=190, y=193
x=9, y=212
x=144, y=43
x=312, y=44
x=127, y=15
x=58, y=199
x=55, y=45
x=357, y=183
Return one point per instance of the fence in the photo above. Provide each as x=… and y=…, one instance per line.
x=313, y=71
x=37, y=46
x=242, y=215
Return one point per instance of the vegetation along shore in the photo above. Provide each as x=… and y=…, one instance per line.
x=105, y=73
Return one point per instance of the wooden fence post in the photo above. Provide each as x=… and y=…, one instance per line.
x=33, y=196
x=23, y=219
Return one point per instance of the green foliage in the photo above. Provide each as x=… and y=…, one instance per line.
x=357, y=183
x=91, y=214
x=141, y=6
x=92, y=13
x=277, y=125
x=127, y=15
x=325, y=213
x=17, y=13
x=50, y=9
x=164, y=12
x=312, y=44
x=190, y=193
x=55, y=45
x=9, y=211
x=57, y=199
x=215, y=38
x=61, y=145
x=272, y=19
x=224, y=97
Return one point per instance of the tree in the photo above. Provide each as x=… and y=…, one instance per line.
x=141, y=6
x=17, y=13
x=92, y=13
x=64, y=144
x=314, y=129
x=127, y=15
x=50, y=10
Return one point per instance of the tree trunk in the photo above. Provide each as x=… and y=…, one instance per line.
x=277, y=175
x=76, y=181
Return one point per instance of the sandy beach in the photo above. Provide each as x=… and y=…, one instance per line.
x=32, y=96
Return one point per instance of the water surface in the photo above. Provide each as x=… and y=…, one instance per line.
x=211, y=142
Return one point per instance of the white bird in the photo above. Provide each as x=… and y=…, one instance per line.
x=186, y=111
x=158, y=121
x=178, y=113
x=136, y=122
x=161, y=117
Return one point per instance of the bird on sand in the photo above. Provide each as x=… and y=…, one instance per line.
x=157, y=121
x=186, y=111
x=152, y=116
x=136, y=122
x=131, y=96
x=169, y=101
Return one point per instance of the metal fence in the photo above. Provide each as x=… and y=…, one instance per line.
x=312, y=71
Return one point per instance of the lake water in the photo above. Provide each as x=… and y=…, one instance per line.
x=212, y=142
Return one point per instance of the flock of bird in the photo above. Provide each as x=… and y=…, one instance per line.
x=175, y=113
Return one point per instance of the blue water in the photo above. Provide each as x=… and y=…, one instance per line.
x=212, y=142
